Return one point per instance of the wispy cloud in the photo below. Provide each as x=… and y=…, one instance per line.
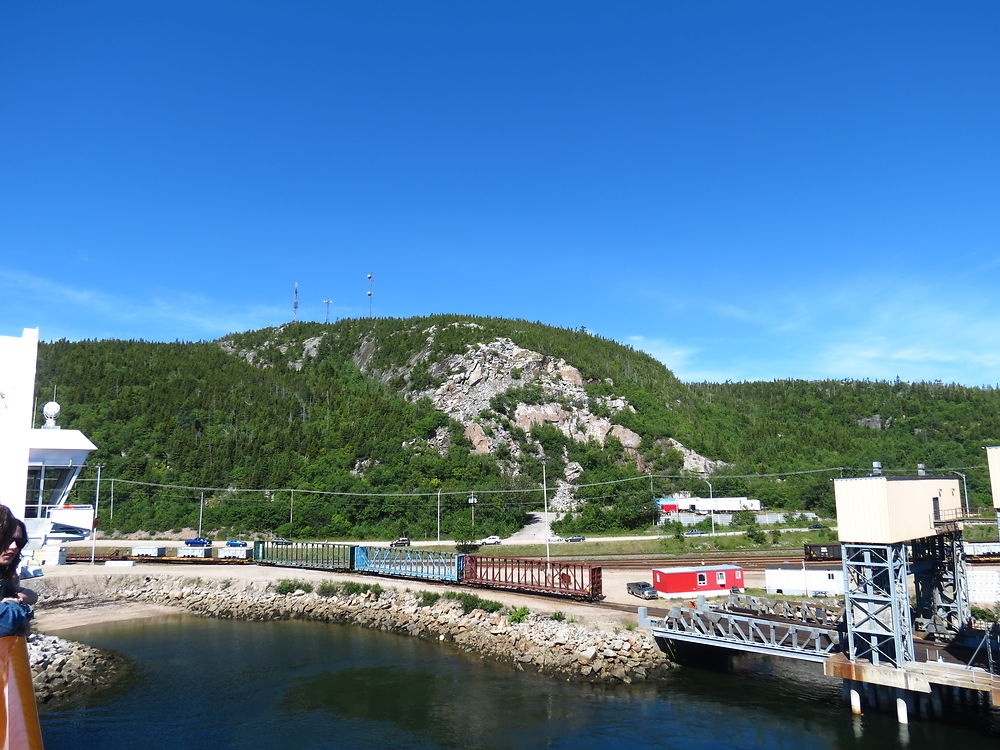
x=167, y=315
x=857, y=328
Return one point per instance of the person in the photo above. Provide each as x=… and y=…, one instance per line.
x=15, y=601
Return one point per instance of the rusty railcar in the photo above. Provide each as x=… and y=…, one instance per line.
x=573, y=579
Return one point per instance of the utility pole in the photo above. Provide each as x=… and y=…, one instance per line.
x=201, y=513
x=371, y=288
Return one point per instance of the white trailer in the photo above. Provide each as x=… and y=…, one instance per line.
x=803, y=580
x=717, y=504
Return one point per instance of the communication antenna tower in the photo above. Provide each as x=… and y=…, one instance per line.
x=295, y=303
x=371, y=288
x=327, y=303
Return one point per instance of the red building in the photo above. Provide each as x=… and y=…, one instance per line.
x=708, y=580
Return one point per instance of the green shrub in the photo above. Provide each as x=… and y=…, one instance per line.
x=429, y=598
x=328, y=588
x=518, y=615
x=350, y=587
x=557, y=616
x=470, y=602
x=291, y=585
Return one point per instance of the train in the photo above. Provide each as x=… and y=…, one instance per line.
x=575, y=580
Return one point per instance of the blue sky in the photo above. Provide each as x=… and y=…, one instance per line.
x=747, y=191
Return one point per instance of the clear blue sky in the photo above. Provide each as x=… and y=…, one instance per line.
x=746, y=190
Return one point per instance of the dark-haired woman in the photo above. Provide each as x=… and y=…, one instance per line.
x=10, y=558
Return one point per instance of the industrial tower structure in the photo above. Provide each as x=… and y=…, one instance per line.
x=888, y=527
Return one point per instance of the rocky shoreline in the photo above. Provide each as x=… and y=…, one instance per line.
x=63, y=670
x=539, y=643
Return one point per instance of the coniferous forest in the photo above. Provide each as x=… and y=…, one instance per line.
x=280, y=431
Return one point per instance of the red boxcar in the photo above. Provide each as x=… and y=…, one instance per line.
x=709, y=580
x=575, y=579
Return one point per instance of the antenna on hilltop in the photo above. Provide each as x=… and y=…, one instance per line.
x=295, y=303
x=371, y=288
x=327, y=303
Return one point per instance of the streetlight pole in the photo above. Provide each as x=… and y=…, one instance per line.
x=97, y=507
x=710, y=510
x=545, y=505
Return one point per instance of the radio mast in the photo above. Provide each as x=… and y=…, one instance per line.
x=295, y=303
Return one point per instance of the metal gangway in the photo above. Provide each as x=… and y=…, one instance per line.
x=797, y=630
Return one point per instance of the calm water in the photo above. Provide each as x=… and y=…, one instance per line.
x=223, y=684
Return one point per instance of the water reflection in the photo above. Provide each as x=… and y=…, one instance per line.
x=225, y=684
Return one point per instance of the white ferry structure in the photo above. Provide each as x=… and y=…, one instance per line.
x=38, y=466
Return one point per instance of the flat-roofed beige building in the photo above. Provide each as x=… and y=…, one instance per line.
x=890, y=510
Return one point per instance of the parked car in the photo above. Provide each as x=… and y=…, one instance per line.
x=403, y=541
x=492, y=539
x=236, y=543
x=198, y=542
x=576, y=538
x=695, y=532
x=641, y=589
x=556, y=539
x=814, y=526
x=280, y=540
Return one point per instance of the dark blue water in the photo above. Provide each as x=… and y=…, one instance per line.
x=223, y=684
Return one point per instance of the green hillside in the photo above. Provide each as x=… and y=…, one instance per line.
x=288, y=408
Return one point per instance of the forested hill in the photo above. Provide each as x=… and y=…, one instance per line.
x=462, y=404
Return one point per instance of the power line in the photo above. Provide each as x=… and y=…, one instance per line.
x=465, y=492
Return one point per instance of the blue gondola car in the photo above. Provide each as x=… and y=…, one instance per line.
x=406, y=562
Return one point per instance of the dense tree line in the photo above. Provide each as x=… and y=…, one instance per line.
x=194, y=414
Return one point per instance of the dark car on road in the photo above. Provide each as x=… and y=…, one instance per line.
x=280, y=540
x=236, y=543
x=198, y=542
x=816, y=526
x=695, y=532
x=403, y=541
x=577, y=538
x=641, y=589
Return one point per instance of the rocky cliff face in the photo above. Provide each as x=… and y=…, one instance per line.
x=553, y=393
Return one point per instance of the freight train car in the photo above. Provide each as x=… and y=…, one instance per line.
x=573, y=579
x=407, y=562
x=320, y=555
x=821, y=551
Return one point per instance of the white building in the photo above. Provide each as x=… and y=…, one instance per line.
x=707, y=504
x=804, y=580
